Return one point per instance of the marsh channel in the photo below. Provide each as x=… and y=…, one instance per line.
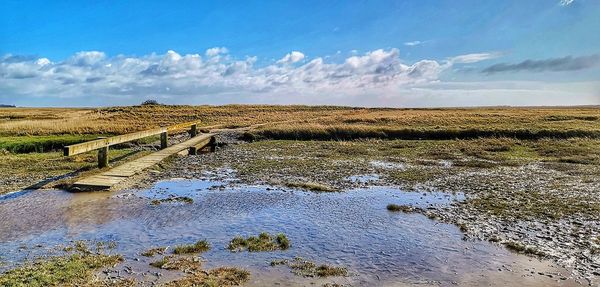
x=352, y=229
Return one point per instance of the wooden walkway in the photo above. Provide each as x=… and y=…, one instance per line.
x=120, y=173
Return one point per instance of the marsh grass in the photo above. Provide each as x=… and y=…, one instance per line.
x=154, y=251
x=403, y=208
x=312, y=186
x=182, y=199
x=306, y=268
x=45, y=143
x=222, y=276
x=74, y=269
x=178, y=263
x=262, y=242
x=198, y=247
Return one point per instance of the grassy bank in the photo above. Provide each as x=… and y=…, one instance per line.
x=352, y=132
x=27, y=144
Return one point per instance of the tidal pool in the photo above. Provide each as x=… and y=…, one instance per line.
x=351, y=229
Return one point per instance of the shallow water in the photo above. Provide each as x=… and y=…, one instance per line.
x=351, y=229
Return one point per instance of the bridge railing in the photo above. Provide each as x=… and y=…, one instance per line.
x=102, y=145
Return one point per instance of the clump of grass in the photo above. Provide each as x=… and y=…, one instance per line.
x=403, y=208
x=524, y=249
x=326, y=271
x=153, y=251
x=306, y=268
x=222, y=276
x=312, y=186
x=178, y=263
x=183, y=199
x=72, y=270
x=264, y=242
x=198, y=247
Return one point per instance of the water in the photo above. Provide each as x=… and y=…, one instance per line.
x=351, y=229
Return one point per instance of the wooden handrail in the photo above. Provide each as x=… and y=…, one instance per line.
x=106, y=142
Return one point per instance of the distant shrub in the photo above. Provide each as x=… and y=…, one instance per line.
x=151, y=103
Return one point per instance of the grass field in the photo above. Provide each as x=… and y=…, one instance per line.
x=569, y=132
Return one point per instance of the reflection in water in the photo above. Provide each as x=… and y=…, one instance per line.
x=351, y=229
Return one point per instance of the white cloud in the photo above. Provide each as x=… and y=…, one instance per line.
x=566, y=2
x=413, y=43
x=377, y=77
x=216, y=51
x=291, y=58
x=87, y=58
x=474, y=58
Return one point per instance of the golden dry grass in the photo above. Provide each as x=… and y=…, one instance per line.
x=119, y=120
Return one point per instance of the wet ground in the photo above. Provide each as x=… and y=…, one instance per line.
x=351, y=229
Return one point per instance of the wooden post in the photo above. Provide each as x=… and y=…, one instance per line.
x=163, y=140
x=192, y=150
x=103, y=157
x=193, y=130
x=213, y=144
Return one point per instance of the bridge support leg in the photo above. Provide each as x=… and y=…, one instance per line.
x=163, y=140
x=213, y=144
x=103, y=157
x=193, y=131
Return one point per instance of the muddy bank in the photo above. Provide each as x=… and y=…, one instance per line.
x=539, y=207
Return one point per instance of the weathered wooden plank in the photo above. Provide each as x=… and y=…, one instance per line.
x=96, y=144
x=116, y=175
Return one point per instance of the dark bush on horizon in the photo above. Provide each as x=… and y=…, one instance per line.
x=151, y=103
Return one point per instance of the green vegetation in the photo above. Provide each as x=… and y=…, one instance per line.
x=264, y=242
x=198, y=247
x=27, y=144
x=402, y=208
x=302, y=267
x=153, y=251
x=223, y=276
x=178, y=263
x=69, y=270
x=183, y=199
x=312, y=186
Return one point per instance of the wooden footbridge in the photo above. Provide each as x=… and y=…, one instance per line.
x=113, y=176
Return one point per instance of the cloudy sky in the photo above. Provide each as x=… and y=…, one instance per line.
x=421, y=53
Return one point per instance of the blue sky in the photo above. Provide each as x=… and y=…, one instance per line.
x=368, y=53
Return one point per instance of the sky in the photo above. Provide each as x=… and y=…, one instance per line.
x=421, y=53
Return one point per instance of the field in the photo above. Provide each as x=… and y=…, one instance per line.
x=30, y=138
x=532, y=168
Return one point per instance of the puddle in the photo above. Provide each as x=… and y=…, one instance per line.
x=351, y=229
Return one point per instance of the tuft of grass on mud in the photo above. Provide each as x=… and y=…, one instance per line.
x=69, y=270
x=312, y=186
x=264, y=242
x=222, y=276
x=183, y=199
x=403, y=208
x=306, y=268
x=178, y=263
x=154, y=251
x=198, y=247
